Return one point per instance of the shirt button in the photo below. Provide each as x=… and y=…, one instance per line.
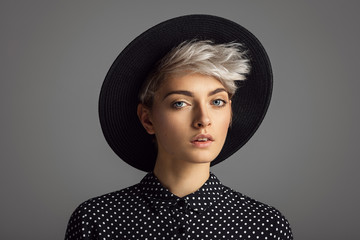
x=181, y=230
x=182, y=203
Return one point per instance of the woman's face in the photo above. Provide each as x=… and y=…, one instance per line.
x=190, y=118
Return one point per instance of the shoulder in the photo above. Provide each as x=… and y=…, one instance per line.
x=252, y=205
x=266, y=218
x=93, y=212
x=118, y=199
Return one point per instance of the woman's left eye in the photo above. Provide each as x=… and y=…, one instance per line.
x=218, y=102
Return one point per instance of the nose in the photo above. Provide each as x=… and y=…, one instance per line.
x=201, y=117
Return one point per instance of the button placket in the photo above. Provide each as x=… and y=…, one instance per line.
x=180, y=217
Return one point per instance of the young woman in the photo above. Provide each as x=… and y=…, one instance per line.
x=189, y=115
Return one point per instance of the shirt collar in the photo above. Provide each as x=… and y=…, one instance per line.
x=160, y=197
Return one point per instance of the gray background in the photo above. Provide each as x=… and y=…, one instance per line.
x=55, y=54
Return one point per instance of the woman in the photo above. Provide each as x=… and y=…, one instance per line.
x=189, y=116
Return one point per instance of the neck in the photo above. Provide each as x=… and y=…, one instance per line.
x=182, y=179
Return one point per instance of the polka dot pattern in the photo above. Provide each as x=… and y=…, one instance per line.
x=150, y=211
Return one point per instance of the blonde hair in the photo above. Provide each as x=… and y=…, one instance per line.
x=226, y=62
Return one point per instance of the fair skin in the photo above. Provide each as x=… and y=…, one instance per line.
x=190, y=117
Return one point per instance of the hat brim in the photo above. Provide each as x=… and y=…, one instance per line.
x=119, y=93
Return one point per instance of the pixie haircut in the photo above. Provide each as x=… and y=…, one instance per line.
x=225, y=62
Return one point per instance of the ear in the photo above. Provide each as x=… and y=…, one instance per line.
x=144, y=115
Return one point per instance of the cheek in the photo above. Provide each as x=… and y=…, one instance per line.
x=223, y=123
x=223, y=117
x=166, y=123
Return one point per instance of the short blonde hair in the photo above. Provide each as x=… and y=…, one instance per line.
x=226, y=62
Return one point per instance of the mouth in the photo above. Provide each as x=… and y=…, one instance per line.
x=202, y=140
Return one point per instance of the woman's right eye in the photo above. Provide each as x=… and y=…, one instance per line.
x=179, y=104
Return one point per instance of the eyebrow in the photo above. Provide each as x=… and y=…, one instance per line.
x=217, y=91
x=190, y=94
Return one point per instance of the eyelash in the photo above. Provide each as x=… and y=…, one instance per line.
x=222, y=104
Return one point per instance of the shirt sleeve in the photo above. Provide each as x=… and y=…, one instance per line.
x=80, y=225
x=279, y=226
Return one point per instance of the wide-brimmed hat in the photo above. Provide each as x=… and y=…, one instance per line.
x=119, y=93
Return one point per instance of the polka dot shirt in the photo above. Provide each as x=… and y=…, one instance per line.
x=150, y=211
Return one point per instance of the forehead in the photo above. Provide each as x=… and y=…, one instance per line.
x=195, y=83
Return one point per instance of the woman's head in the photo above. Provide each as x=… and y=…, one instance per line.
x=190, y=118
x=186, y=101
x=225, y=62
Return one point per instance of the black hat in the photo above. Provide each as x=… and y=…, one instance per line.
x=119, y=93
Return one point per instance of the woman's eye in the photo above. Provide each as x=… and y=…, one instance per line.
x=179, y=104
x=218, y=102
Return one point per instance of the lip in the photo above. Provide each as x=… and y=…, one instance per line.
x=202, y=144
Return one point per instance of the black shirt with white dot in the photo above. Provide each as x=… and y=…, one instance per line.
x=150, y=211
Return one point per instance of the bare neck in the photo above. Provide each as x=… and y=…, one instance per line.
x=184, y=179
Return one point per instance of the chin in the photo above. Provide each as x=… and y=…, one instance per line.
x=203, y=158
